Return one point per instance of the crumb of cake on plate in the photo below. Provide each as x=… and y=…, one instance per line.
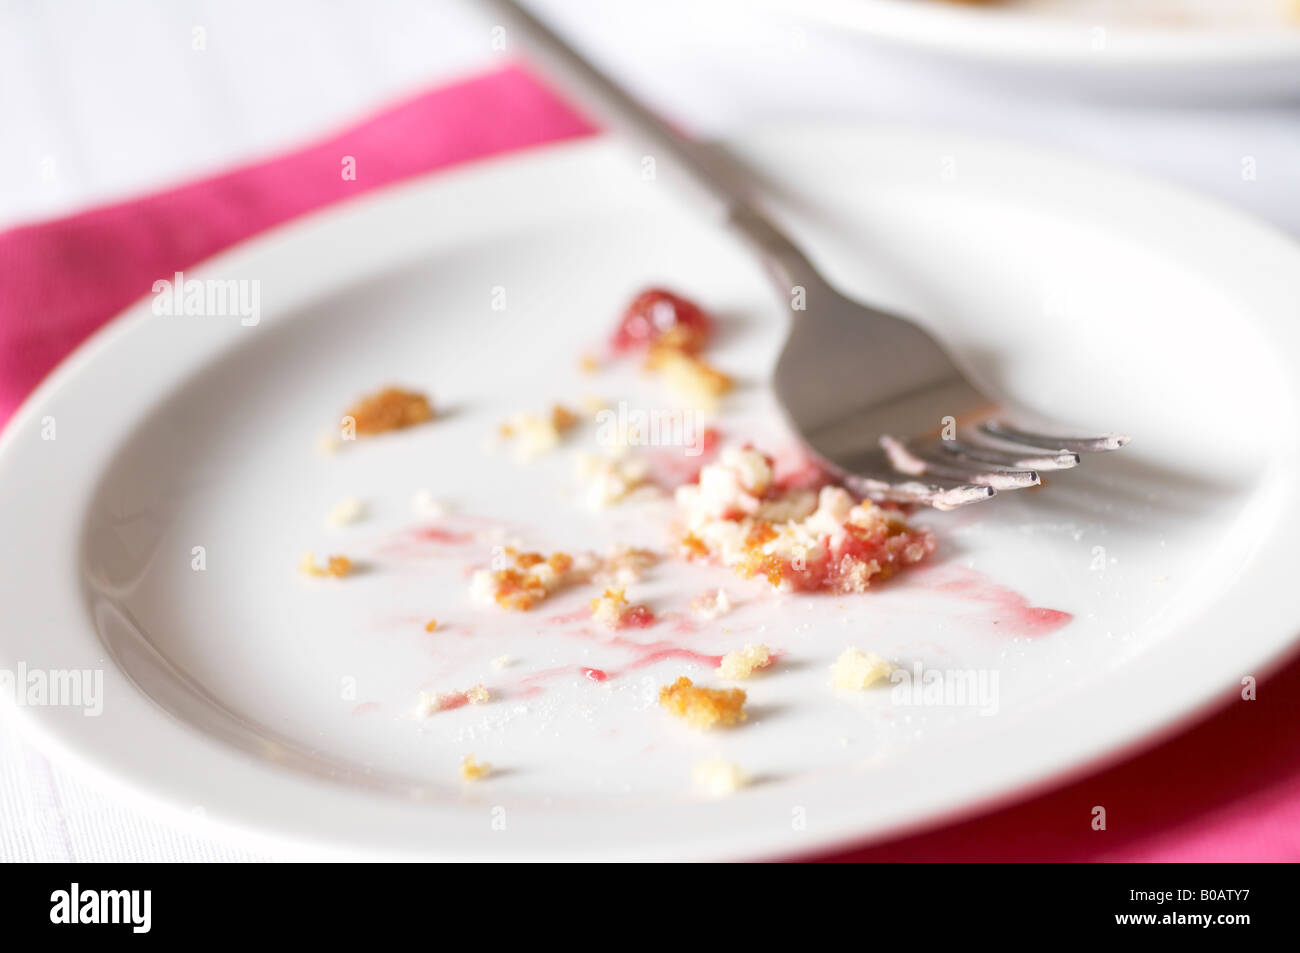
x=431, y=625
x=743, y=663
x=431, y=703
x=718, y=777
x=612, y=610
x=335, y=566
x=622, y=565
x=390, y=409
x=534, y=434
x=425, y=504
x=703, y=708
x=345, y=511
x=471, y=769
x=526, y=580
x=688, y=375
x=711, y=605
x=797, y=539
x=612, y=479
x=502, y=661
x=857, y=670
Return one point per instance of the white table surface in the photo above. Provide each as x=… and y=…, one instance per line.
x=100, y=102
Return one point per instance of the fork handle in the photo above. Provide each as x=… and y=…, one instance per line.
x=701, y=178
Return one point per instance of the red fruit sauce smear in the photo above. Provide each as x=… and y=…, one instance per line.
x=1010, y=609
x=637, y=617
x=659, y=316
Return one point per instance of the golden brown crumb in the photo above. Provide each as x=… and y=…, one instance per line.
x=745, y=662
x=478, y=695
x=471, y=769
x=703, y=707
x=690, y=376
x=335, y=566
x=607, y=608
x=431, y=625
x=390, y=409
x=588, y=364
x=529, y=579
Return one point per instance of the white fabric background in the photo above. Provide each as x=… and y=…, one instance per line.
x=100, y=102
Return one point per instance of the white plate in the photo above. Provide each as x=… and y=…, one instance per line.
x=1094, y=295
x=1218, y=50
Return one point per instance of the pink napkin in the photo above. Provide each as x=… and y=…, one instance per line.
x=1228, y=789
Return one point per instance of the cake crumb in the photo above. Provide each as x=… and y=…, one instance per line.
x=718, y=777
x=711, y=605
x=856, y=670
x=345, y=511
x=703, y=708
x=612, y=610
x=391, y=409
x=431, y=625
x=535, y=434
x=471, y=769
x=502, y=661
x=745, y=662
x=527, y=579
x=335, y=566
x=478, y=695
x=425, y=504
x=588, y=364
x=689, y=376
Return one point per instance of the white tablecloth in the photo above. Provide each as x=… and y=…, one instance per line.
x=100, y=102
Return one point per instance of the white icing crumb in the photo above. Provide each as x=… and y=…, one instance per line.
x=856, y=670
x=611, y=480
x=347, y=510
x=712, y=605
x=425, y=504
x=745, y=662
x=718, y=777
x=502, y=661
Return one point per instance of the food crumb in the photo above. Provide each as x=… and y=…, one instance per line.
x=425, y=504
x=471, y=769
x=431, y=625
x=478, y=695
x=390, y=409
x=711, y=605
x=345, y=511
x=857, y=670
x=718, y=777
x=526, y=580
x=502, y=661
x=535, y=434
x=588, y=364
x=335, y=566
x=745, y=662
x=703, y=708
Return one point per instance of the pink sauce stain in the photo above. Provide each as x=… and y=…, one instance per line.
x=595, y=674
x=671, y=468
x=436, y=534
x=365, y=708
x=1010, y=609
x=568, y=618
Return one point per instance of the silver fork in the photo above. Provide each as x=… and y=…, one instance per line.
x=873, y=397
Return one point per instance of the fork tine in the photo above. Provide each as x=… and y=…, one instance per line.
x=1016, y=458
x=1110, y=441
x=925, y=459
x=937, y=492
